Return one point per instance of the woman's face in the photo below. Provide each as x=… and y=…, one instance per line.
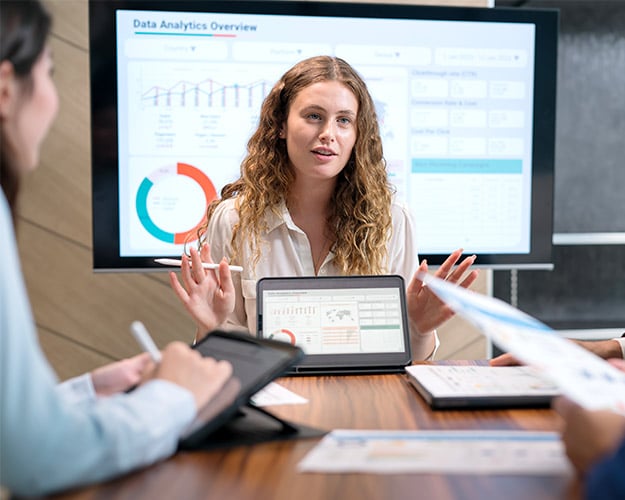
x=31, y=113
x=320, y=130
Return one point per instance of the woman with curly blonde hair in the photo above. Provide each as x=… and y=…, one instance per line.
x=314, y=198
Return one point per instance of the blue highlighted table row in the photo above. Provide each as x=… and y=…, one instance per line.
x=465, y=166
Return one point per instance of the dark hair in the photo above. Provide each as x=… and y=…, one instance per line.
x=24, y=29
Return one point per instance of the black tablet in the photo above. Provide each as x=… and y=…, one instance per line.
x=344, y=324
x=255, y=362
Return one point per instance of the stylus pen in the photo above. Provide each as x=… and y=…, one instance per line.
x=205, y=265
x=141, y=335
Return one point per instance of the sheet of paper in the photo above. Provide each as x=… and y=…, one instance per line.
x=580, y=375
x=275, y=394
x=448, y=452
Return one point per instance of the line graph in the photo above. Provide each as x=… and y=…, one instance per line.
x=207, y=93
x=188, y=108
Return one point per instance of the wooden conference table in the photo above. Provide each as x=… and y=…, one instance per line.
x=268, y=470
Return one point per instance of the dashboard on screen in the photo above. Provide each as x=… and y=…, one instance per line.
x=465, y=99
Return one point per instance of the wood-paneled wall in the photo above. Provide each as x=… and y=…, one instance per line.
x=83, y=317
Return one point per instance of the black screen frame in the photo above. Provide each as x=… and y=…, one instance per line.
x=104, y=137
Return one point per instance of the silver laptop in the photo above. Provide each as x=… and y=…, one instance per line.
x=344, y=324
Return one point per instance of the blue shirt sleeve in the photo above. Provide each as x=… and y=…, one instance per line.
x=49, y=441
x=606, y=480
x=77, y=390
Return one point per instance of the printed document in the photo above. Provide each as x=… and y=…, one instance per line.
x=449, y=452
x=276, y=394
x=582, y=376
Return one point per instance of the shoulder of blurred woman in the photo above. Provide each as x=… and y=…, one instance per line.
x=606, y=479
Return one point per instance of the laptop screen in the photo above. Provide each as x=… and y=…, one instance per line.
x=356, y=320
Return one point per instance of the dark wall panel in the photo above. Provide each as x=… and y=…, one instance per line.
x=586, y=289
x=590, y=144
x=590, y=127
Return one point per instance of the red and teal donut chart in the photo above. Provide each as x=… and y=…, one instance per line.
x=148, y=182
x=281, y=333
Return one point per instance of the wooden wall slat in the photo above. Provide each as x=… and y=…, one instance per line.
x=96, y=309
x=71, y=20
x=58, y=195
x=459, y=338
x=68, y=358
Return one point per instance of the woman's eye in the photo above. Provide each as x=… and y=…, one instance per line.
x=314, y=116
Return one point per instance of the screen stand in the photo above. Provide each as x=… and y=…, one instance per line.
x=287, y=428
x=253, y=425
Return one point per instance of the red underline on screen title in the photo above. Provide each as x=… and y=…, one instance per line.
x=182, y=34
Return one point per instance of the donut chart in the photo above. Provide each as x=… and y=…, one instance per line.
x=283, y=335
x=158, y=175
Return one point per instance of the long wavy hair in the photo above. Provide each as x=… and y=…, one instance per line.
x=360, y=218
x=24, y=29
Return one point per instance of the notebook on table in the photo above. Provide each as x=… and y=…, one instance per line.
x=470, y=386
x=344, y=324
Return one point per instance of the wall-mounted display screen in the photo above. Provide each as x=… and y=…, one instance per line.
x=465, y=98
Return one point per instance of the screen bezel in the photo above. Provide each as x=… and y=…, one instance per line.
x=104, y=133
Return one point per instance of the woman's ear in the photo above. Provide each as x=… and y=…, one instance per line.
x=8, y=88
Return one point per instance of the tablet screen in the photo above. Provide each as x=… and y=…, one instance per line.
x=255, y=363
x=356, y=323
x=335, y=320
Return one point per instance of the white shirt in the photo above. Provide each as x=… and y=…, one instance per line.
x=286, y=252
x=621, y=341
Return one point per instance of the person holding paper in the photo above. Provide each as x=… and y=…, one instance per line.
x=58, y=436
x=606, y=349
x=314, y=198
x=595, y=444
